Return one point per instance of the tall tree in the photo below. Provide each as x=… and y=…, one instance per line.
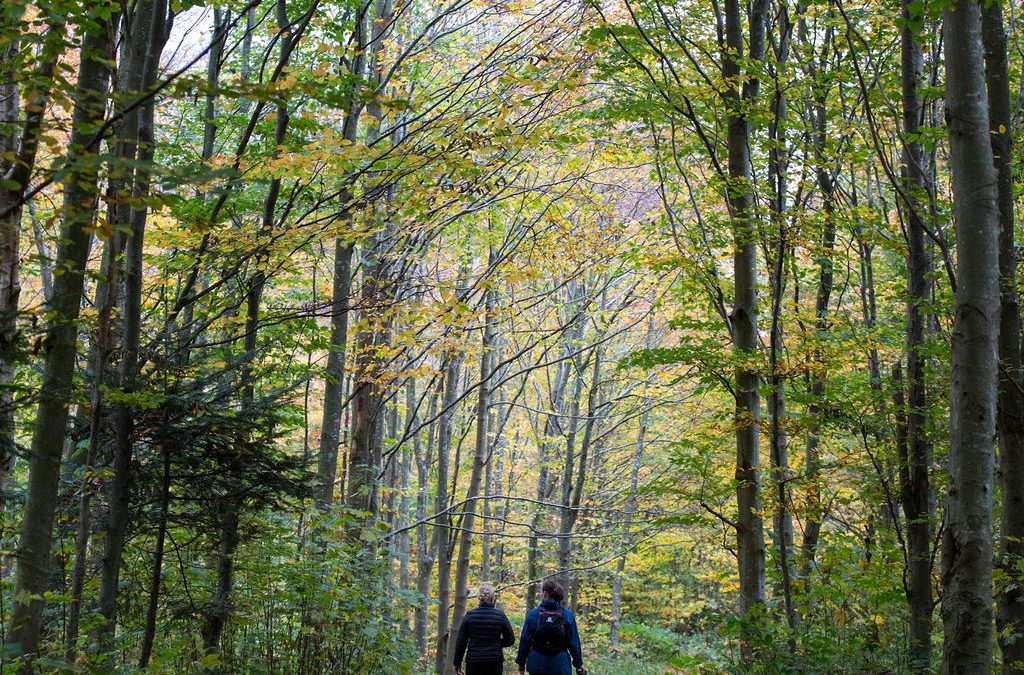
x=77, y=213
x=741, y=95
x=915, y=492
x=145, y=35
x=967, y=541
x=19, y=147
x=442, y=542
x=818, y=114
x=1010, y=419
x=480, y=460
x=334, y=403
x=778, y=165
x=639, y=445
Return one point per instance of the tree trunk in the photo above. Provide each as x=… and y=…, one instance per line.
x=106, y=290
x=563, y=543
x=486, y=539
x=330, y=430
x=572, y=490
x=442, y=530
x=778, y=162
x=334, y=401
x=826, y=274
x=403, y=540
x=77, y=213
x=153, y=604
x=782, y=520
x=475, y=477
x=377, y=293
x=914, y=494
x=967, y=542
x=149, y=28
x=749, y=527
x=17, y=161
x=552, y=433
x=367, y=397
x=424, y=554
x=10, y=256
x=1010, y=419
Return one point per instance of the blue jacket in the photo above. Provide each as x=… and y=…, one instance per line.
x=539, y=663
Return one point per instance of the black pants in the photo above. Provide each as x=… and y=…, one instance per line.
x=485, y=668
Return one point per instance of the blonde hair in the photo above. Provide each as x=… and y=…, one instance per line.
x=486, y=594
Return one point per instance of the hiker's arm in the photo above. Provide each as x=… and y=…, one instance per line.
x=575, y=650
x=460, y=642
x=508, y=636
x=524, y=641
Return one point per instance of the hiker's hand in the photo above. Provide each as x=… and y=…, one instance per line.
x=581, y=671
x=522, y=669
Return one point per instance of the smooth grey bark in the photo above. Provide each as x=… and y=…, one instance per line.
x=563, y=542
x=823, y=296
x=96, y=369
x=18, y=153
x=553, y=431
x=424, y=551
x=486, y=540
x=443, y=518
x=367, y=396
x=403, y=540
x=749, y=526
x=869, y=311
x=627, y=526
x=334, y=401
x=77, y=213
x=501, y=505
x=44, y=253
x=915, y=489
x=10, y=238
x=150, y=31
x=1010, y=418
x=778, y=163
x=133, y=77
x=476, y=475
x=782, y=519
x=967, y=541
x=572, y=485
x=378, y=291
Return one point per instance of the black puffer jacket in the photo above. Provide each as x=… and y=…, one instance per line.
x=485, y=631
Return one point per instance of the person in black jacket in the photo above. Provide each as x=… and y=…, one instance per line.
x=483, y=633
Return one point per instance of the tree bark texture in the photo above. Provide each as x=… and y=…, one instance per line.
x=475, y=479
x=967, y=541
x=749, y=526
x=144, y=44
x=77, y=213
x=915, y=488
x=1010, y=418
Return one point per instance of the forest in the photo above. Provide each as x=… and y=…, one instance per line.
x=316, y=315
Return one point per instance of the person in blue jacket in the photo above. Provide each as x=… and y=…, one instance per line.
x=550, y=643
